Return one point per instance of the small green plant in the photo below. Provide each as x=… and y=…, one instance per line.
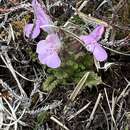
x=71, y=71
x=41, y=119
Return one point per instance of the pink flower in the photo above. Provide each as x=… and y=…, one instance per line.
x=42, y=19
x=48, y=51
x=92, y=45
x=42, y=16
x=31, y=30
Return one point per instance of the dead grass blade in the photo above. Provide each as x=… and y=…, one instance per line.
x=59, y=123
x=111, y=111
x=78, y=87
x=93, y=111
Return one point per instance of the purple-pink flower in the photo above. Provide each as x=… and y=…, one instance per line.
x=41, y=21
x=48, y=51
x=92, y=45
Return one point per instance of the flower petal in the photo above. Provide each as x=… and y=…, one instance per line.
x=30, y=30
x=42, y=16
x=53, y=61
x=87, y=39
x=89, y=42
x=42, y=58
x=97, y=32
x=44, y=21
x=53, y=39
x=34, y=3
x=42, y=47
x=100, y=53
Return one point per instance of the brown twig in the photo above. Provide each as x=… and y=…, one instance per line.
x=4, y=10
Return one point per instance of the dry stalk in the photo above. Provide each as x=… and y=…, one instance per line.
x=79, y=111
x=105, y=116
x=123, y=92
x=59, y=123
x=111, y=111
x=79, y=87
x=93, y=111
x=7, y=62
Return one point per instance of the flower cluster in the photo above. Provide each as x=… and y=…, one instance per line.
x=48, y=49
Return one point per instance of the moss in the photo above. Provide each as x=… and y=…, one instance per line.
x=71, y=71
x=41, y=119
x=18, y=27
x=32, y=54
x=77, y=20
x=93, y=79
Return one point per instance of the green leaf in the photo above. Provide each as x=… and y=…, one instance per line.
x=126, y=128
x=77, y=20
x=93, y=79
x=32, y=54
x=42, y=117
x=49, y=84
